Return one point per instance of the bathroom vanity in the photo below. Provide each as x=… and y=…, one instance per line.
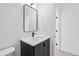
x=35, y=46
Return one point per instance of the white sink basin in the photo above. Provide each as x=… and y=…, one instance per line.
x=35, y=40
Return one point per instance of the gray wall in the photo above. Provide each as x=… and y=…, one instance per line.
x=46, y=26
x=70, y=28
x=11, y=25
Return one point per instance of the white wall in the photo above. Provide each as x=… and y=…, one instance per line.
x=11, y=25
x=46, y=18
x=70, y=28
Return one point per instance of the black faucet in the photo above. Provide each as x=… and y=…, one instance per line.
x=33, y=34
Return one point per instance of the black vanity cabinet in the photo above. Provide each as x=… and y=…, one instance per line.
x=41, y=49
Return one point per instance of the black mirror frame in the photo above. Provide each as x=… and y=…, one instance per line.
x=24, y=19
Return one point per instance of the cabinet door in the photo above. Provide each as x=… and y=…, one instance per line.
x=26, y=50
x=46, y=46
x=42, y=49
x=39, y=50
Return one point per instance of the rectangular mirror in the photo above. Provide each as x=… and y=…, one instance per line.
x=30, y=19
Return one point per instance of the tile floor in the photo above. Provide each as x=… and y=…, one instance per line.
x=62, y=53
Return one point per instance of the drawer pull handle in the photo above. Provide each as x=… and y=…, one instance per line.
x=44, y=44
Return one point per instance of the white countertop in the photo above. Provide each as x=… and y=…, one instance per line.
x=35, y=40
